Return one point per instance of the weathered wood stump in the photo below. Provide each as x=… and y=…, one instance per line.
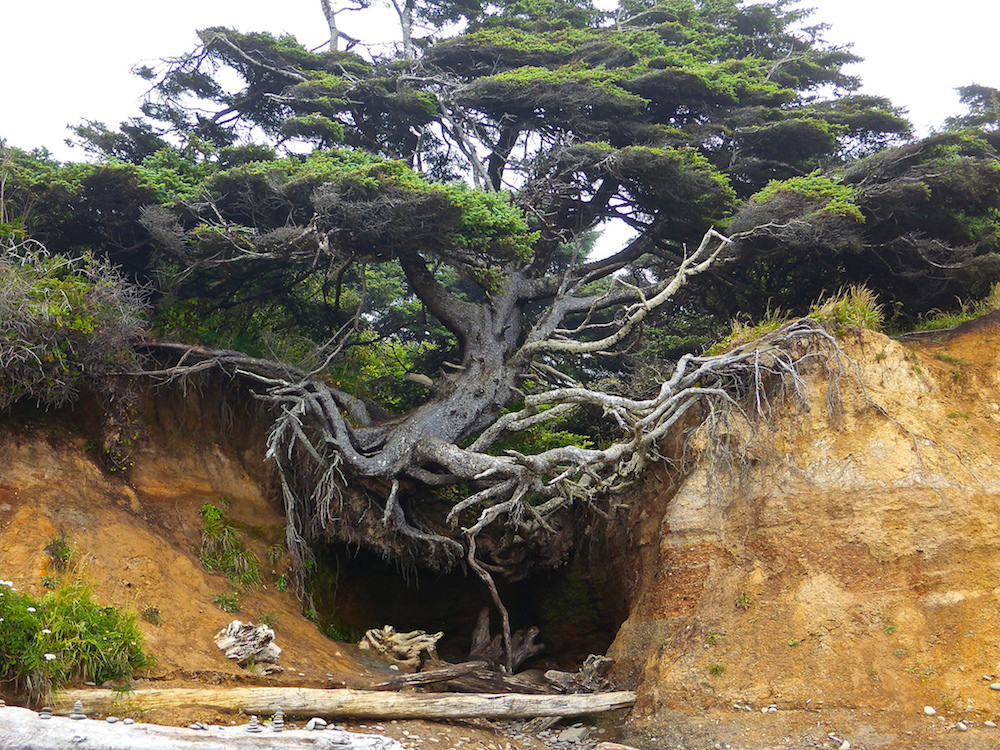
x=251, y=646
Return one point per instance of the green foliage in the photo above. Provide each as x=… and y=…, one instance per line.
x=555, y=433
x=65, y=635
x=64, y=324
x=949, y=359
x=152, y=615
x=336, y=634
x=223, y=550
x=938, y=320
x=227, y=602
x=716, y=669
x=857, y=306
x=59, y=552
x=742, y=332
x=823, y=193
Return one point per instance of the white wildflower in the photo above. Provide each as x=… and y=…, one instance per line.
x=50, y=657
x=31, y=609
x=46, y=631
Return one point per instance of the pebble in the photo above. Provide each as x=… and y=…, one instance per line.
x=45, y=713
x=315, y=723
x=845, y=745
x=990, y=724
x=254, y=725
x=128, y=721
x=572, y=734
x=278, y=723
x=995, y=686
x=78, y=713
x=929, y=710
x=2, y=704
x=112, y=720
x=962, y=726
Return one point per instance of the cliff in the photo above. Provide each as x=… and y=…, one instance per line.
x=843, y=567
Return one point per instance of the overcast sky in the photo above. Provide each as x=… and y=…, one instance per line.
x=68, y=60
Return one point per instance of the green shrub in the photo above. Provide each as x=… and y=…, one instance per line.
x=65, y=635
x=223, y=550
x=64, y=323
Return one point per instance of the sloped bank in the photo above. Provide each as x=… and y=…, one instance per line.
x=850, y=561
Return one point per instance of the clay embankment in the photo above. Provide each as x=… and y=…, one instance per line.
x=850, y=572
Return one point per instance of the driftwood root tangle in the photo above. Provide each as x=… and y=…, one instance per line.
x=20, y=729
x=343, y=704
x=405, y=648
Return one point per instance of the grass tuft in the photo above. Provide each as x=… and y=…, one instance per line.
x=938, y=320
x=857, y=307
x=223, y=550
x=744, y=332
x=59, y=553
x=227, y=602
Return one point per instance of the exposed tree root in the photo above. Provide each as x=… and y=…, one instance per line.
x=345, y=475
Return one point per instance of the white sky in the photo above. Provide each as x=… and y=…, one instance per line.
x=65, y=61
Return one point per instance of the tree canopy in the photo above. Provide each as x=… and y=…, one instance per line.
x=395, y=251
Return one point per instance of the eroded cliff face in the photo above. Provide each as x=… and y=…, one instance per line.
x=854, y=562
x=137, y=538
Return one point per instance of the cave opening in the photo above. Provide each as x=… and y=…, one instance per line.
x=577, y=608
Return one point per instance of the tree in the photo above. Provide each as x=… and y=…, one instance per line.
x=917, y=222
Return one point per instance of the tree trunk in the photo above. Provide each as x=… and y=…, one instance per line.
x=331, y=22
x=342, y=704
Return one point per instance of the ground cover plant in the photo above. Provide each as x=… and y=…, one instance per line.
x=65, y=635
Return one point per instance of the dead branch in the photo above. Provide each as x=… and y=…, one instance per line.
x=441, y=674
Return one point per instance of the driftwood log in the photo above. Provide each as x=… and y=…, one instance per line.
x=21, y=729
x=343, y=703
x=432, y=677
